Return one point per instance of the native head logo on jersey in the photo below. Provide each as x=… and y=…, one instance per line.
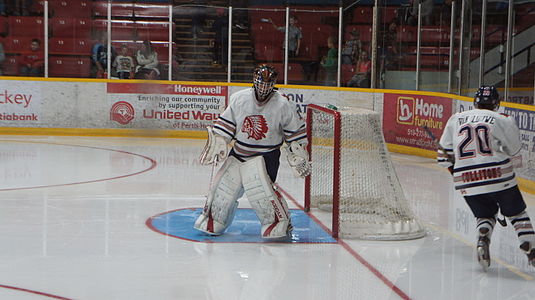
x=255, y=126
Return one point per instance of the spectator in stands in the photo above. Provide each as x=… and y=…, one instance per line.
x=99, y=56
x=124, y=64
x=330, y=62
x=352, y=48
x=363, y=69
x=294, y=36
x=220, y=27
x=147, y=62
x=32, y=63
x=388, y=50
x=427, y=12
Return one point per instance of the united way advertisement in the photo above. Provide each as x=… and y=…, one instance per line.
x=415, y=120
x=165, y=106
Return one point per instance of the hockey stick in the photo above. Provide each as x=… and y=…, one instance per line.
x=502, y=221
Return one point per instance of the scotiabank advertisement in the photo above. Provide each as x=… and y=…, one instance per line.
x=408, y=119
x=165, y=106
x=20, y=103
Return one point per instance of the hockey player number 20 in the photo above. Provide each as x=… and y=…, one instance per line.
x=480, y=134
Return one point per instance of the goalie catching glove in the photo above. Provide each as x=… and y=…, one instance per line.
x=215, y=150
x=298, y=159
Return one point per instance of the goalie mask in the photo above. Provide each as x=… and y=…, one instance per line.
x=487, y=97
x=264, y=78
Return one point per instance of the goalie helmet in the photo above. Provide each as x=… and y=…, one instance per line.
x=264, y=79
x=487, y=97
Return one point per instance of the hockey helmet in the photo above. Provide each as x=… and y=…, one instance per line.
x=264, y=79
x=487, y=97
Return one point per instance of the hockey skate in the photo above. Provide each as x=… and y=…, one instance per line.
x=529, y=252
x=483, y=251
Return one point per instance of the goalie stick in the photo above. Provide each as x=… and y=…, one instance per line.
x=502, y=221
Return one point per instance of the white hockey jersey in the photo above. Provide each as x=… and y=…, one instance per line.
x=482, y=143
x=259, y=127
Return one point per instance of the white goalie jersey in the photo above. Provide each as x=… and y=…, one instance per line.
x=482, y=143
x=259, y=127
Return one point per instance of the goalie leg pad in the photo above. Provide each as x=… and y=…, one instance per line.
x=222, y=201
x=268, y=204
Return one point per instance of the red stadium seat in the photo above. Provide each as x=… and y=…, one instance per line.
x=295, y=72
x=10, y=66
x=143, y=10
x=69, y=67
x=70, y=46
x=264, y=32
x=26, y=26
x=3, y=25
x=124, y=10
x=347, y=72
x=268, y=52
x=71, y=27
x=309, y=52
x=17, y=45
x=363, y=15
x=152, y=31
x=364, y=30
x=71, y=8
x=407, y=34
x=120, y=29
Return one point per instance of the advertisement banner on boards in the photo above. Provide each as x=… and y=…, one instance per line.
x=20, y=103
x=405, y=117
x=525, y=120
x=165, y=106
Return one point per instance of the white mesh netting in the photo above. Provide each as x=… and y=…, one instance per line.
x=372, y=203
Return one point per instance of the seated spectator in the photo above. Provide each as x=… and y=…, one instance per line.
x=330, y=62
x=32, y=63
x=363, y=70
x=352, y=48
x=124, y=64
x=99, y=56
x=294, y=36
x=147, y=62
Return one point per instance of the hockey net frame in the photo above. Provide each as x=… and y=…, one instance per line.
x=400, y=224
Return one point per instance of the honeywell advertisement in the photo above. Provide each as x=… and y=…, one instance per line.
x=165, y=106
x=405, y=118
x=20, y=103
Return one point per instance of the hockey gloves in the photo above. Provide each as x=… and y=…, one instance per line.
x=215, y=150
x=298, y=159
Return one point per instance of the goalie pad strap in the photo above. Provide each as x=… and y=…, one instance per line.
x=222, y=200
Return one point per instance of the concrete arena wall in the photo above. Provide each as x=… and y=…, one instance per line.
x=182, y=109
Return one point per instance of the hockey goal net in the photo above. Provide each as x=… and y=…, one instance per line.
x=353, y=176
